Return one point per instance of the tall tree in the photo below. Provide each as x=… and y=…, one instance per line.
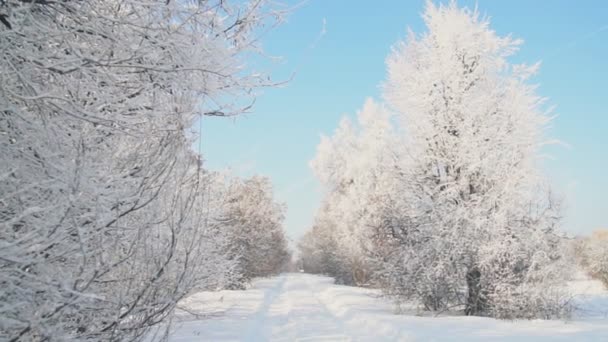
x=477, y=213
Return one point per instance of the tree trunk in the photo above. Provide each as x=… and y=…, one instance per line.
x=475, y=304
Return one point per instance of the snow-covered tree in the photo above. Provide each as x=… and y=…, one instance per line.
x=447, y=207
x=321, y=252
x=104, y=211
x=253, y=222
x=356, y=167
x=592, y=252
x=477, y=214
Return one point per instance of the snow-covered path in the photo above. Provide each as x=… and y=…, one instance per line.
x=303, y=307
x=285, y=308
x=293, y=312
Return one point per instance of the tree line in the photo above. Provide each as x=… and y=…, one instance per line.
x=435, y=195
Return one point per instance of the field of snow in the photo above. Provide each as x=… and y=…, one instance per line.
x=304, y=307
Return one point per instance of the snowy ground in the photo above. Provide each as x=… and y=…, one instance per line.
x=303, y=307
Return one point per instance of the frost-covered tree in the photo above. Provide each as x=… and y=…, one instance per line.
x=316, y=251
x=451, y=211
x=592, y=252
x=321, y=252
x=356, y=167
x=476, y=215
x=105, y=215
x=253, y=222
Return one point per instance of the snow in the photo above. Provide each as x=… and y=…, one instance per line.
x=304, y=307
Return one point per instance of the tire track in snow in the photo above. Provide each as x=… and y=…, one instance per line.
x=255, y=331
x=291, y=311
x=323, y=317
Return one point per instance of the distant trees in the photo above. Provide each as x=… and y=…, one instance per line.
x=107, y=218
x=253, y=222
x=452, y=212
x=322, y=252
x=592, y=252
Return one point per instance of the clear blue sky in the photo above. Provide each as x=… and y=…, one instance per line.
x=340, y=63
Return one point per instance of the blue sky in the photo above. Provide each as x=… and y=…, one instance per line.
x=335, y=50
